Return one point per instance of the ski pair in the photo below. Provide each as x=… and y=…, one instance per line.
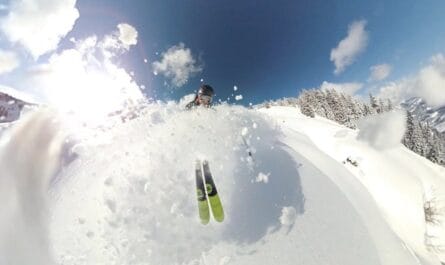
x=207, y=194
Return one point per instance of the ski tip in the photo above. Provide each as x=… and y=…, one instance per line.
x=219, y=219
x=204, y=222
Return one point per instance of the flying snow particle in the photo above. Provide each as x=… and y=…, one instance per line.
x=235, y=88
x=262, y=177
x=224, y=260
x=202, y=80
x=254, y=125
x=288, y=216
x=111, y=205
x=244, y=131
x=145, y=61
x=239, y=97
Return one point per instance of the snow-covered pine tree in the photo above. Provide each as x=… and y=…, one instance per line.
x=414, y=137
x=306, y=101
x=337, y=106
x=389, y=105
x=373, y=102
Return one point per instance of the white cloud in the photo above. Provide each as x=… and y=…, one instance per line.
x=380, y=72
x=396, y=91
x=8, y=61
x=428, y=83
x=127, y=34
x=39, y=25
x=177, y=64
x=348, y=88
x=350, y=47
x=383, y=131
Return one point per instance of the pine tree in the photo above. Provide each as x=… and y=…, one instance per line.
x=373, y=102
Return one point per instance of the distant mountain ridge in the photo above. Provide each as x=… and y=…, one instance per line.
x=420, y=110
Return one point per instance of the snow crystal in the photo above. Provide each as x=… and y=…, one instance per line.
x=262, y=177
x=145, y=61
x=288, y=216
x=146, y=187
x=224, y=260
x=244, y=131
x=254, y=125
x=239, y=97
x=235, y=88
x=108, y=182
x=111, y=205
x=383, y=131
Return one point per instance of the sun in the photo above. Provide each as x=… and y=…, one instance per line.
x=77, y=83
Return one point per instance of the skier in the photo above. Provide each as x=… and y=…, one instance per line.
x=207, y=194
x=203, y=98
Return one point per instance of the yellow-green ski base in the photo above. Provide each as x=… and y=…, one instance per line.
x=217, y=209
x=204, y=213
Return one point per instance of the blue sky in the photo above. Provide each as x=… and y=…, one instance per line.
x=268, y=49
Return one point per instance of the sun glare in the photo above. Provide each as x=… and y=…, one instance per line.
x=86, y=88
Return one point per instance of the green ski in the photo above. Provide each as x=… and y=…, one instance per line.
x=212, y=194
x=203, y=206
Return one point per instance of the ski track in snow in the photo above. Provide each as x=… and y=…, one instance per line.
x=129, y=195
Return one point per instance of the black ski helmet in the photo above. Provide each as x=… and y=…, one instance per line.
x=206, y=90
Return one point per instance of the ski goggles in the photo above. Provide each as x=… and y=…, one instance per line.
x=205, y=98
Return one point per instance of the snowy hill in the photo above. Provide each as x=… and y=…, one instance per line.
x=419, y=108
x=11, y=104
x=314, y=193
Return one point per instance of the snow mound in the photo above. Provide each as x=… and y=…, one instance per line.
x=294, y=189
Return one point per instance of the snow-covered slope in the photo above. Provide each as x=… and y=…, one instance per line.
x=419, y=108
x=130, y=198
